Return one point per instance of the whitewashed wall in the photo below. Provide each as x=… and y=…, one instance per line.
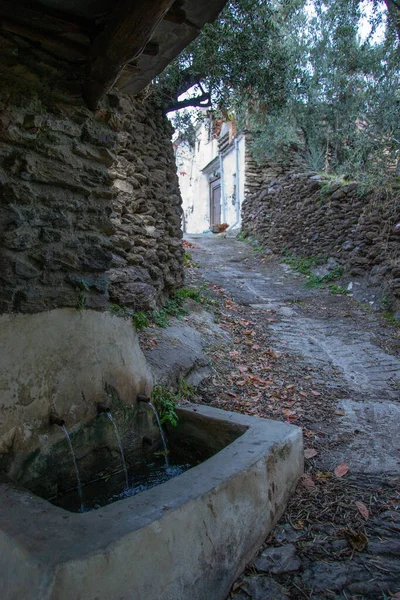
x=194, y=183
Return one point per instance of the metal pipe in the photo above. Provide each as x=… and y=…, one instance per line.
x=142, y=398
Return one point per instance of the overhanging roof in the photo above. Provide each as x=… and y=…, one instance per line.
x=124, y=43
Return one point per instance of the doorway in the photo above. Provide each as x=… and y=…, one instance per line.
x=215, y=203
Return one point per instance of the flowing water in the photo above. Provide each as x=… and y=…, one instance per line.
x=162, y=434
x=78, y=479
x=109, y=415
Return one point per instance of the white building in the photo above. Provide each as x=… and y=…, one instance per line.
x=211, y=176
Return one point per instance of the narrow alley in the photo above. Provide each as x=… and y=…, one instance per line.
x=328, y=364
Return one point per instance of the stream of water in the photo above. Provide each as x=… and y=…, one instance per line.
x=78, y=479
x=109, y=415
x=164, y=441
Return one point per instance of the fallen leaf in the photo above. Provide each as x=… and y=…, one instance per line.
x=323, y=475
x=310, y=453
x=298, y=525
x=340, y=413
x=231, y=394
x=256, y=347
x=315, y=393
x=154, y=342
x=357, y=539
x=243, y=368
x=242, y=382
x=303, y=394
x=362, y=509
x=307, y=482
x=341, y=470
x=248, y=332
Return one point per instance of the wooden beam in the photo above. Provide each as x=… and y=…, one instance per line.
x=151, y=49
x=175, y=15
x=128, y=30
x=43, y=18
x=75, y=50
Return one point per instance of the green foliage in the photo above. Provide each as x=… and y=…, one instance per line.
x=81, y=302
x=165, y=402
x=304, y=264
x=185, y=391
x=301, y=264
x=301, y=77
x=242, y=236
x=190, y=293
x=390, y=318
x=139, y=319
x=82, y=285
x=187, y=259
x=174, y=307
x=338, y=289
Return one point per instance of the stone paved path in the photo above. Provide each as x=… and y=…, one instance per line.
x=354, y=355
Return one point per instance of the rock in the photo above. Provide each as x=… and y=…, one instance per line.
x=281, y=559
x=286, y=533
x=259, y=587
x=324, y=270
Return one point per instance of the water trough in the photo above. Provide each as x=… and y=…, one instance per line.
x=187, y=537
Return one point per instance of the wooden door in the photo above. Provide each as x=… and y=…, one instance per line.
x=215, y=204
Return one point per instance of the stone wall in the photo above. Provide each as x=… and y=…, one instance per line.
x=288, y=208
x=89, y=201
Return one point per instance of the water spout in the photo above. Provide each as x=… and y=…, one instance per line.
x=162, y=434
x=78, y=479
x=56, y=420
x=121, y=450
x=102, y=408
x=142, y=398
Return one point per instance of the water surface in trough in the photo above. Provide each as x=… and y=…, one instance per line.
x=141, y=477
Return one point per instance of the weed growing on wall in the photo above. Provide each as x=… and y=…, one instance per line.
x=338, y=289
x=165, y=402
x=304, y=264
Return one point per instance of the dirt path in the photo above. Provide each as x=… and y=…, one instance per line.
x=324, y=363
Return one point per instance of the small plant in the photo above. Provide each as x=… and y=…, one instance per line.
x=165, y=402
x=140, y=320
x=242, y=236
x=159, y=318
x=390, y=318
x=81, y=302
x=189, y=293
x=306, y=263
x=187, y=259
x=82, y=285
x=338, y=289
x=185, y=391
x=174, y=307
x=189, y=262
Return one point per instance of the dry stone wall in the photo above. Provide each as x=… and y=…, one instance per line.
x=288, y=208
x=89, y=201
